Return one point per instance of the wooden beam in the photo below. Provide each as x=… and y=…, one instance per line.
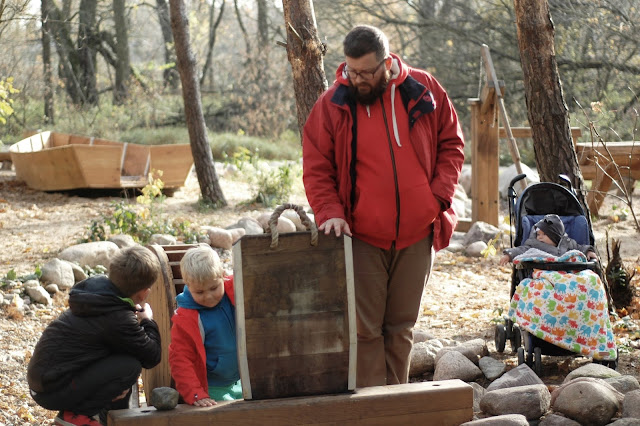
x=447, y=402
x=525, y=132
x=484, y=160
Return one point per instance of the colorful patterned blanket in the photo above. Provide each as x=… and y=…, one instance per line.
x=567, y=309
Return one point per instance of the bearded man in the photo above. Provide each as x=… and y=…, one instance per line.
x=382, y=153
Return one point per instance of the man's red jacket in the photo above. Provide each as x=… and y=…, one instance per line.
x=330, y=140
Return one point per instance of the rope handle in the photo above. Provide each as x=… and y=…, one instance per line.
x=308, y=224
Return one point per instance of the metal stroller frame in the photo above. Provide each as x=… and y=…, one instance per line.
x=549, y=198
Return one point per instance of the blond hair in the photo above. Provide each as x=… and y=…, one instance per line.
x=133, y=269
x=200, y=265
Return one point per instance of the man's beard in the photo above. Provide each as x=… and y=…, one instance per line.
x=373, y=94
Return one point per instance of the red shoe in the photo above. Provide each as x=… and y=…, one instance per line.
x=67, y=418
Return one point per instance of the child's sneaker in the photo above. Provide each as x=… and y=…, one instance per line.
x=67, y=418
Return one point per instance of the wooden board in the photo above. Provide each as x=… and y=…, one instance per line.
x=175, y=161
x=443, y=403
x=295, y=315
x=626, y=155
x=162, y=300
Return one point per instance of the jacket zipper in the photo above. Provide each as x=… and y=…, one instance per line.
x=395, y=172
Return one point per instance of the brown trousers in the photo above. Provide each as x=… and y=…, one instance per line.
x=388, y=287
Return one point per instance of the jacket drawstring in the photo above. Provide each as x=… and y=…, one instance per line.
x=395, y=72
x=393, y=115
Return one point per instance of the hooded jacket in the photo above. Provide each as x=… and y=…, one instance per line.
x=188, y=358
x=419, y=123
x=100, y=322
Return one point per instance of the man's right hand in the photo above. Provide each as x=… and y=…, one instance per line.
x=338, y=225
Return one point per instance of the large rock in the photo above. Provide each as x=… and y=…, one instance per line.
x=588, y=401
x=594, y=370
x=522, y=375
x=39, y=295
x=505, y=420
x=163, y=239
x=122, y=240
x=78, y=273
x=284, y=224
x=422, y=359
x=557, y=420
x=250, y=225
x=454, y=365
x=507, y=174
x=59, y=272
x=219, y=237
x=480, y=231
x=631, y=405
x=164, y=398
x=90, y=254
x=464, y=350
x=532, y=401
x=491, y=368
x=624, y=384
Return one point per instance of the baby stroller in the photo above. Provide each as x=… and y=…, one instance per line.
x=534, y=203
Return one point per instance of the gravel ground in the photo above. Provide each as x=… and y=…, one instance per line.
x=460, y=301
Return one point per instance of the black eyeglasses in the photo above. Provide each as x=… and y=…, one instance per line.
x=365, y=75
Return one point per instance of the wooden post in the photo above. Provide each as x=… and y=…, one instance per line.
x=484, y=156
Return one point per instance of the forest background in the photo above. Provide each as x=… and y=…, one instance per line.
x=107, y=68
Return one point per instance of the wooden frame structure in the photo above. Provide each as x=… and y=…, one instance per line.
x=485, y=137
x=50, y=161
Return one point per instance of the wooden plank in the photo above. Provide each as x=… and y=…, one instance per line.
x=292, y=302
x=175, y=161
x=525, y=133
x=100, y=165
x=448, y=402
x=162, y=300
x=484, y=162
x=163, y=304
x=135, y=160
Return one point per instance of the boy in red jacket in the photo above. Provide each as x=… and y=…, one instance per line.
x=203, y=353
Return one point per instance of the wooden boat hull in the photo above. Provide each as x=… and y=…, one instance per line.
x=50, y=161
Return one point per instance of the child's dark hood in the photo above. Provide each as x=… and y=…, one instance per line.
x=97, y=295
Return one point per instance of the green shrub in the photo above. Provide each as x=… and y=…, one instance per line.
x=141, y=220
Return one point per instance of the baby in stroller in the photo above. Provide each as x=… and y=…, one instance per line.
x=558, y=300
x=548, y=235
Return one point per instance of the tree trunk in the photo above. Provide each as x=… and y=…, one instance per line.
x=546, y=108
x=120, y=90
x=243, y=29
x=213, y=30
x=263, y=24
x=87, y=51
x=49, y=117
x=203, y=159
x=68, y=56
x=305, y=52
x=169, y=74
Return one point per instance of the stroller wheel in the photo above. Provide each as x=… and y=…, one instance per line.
x=516, y=338
x=500, y=337
x=537, y=363
x=520, y=355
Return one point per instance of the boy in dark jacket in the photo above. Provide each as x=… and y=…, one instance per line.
x=548, y=235
x=87, y=360
x=203, y=351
